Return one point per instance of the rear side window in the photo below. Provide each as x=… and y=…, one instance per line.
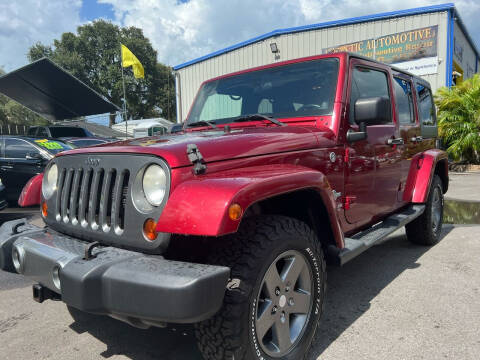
x=404, y=101
x=32, y=131
x=426, y=106
x=367, y=83
x=18, y=149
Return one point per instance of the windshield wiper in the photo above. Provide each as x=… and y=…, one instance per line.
x=259, y=117
x=202, y=123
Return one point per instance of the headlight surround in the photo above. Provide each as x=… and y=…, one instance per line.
x=154, y=184
x=150, y=187
x=49, y=183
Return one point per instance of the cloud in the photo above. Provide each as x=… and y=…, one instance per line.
x=182, y=31
x=25, y=22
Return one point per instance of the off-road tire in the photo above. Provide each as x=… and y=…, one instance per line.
x=421, y=230
x=230, y=334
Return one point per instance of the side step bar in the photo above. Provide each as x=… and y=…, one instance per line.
x=361, y=241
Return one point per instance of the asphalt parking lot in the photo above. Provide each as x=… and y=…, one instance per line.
x=396, y=301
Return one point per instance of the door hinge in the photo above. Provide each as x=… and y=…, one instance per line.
x=196, y=158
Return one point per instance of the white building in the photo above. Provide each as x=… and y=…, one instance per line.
x=429, y=41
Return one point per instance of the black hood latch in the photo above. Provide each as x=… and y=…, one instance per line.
x=196, y=158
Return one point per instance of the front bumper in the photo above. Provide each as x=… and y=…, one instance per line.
x=140, y=289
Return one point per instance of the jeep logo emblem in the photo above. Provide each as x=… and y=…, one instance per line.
x=92, y=161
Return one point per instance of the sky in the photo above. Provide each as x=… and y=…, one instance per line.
x=182, y=30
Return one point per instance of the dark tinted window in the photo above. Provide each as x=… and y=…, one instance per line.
x=32, y=131
x=18, y=149
x=58, y=132
x=426, y=107
x=294, y=90
x=42, y=132
x=404, y=101
x=367, y=83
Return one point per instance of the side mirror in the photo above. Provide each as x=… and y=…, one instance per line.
x=373, y=111
x=176, y=128
x=370, y=111
x=34, y=156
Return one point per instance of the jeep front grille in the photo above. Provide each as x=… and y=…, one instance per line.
x=93, y=197
x=93, y=200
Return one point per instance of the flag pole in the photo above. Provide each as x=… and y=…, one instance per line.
x=124, y=94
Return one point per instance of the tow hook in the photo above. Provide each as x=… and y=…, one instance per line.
x=41, y=293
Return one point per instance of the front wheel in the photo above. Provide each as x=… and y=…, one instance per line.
x=273, y=308
x=426, y=229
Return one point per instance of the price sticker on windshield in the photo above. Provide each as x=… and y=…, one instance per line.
x=50, y=145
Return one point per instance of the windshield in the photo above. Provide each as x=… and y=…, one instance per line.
x=53, y=147
x=294, y=90
x=58, y=132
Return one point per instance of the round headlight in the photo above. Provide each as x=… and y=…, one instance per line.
x=49, y=184
x=154, y=184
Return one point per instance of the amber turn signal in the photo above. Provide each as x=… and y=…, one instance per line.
x=149, y=229
x=235, y=212
x=44, y=209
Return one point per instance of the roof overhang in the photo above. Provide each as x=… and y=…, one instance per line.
x=52, y=92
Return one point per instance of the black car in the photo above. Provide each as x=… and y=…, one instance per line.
x=58, y=131
x=23, y=157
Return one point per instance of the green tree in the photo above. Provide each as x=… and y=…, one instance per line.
x=93, y=56
x=459, y=119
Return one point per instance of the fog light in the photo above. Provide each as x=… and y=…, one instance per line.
x=235, y=212
x=17, y=259
x=44, y=209
x=149, y=229
x=56, y=277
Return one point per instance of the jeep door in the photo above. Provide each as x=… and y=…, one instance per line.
x=406, y=115
x=372, y=173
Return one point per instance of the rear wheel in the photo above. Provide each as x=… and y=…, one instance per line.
x=276, y=294
x=426, y=229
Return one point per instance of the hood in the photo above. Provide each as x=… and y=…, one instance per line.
x=217, y=145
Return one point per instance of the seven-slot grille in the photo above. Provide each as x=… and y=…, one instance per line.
x=93, y=197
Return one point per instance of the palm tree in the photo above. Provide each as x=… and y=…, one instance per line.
x=459, y=119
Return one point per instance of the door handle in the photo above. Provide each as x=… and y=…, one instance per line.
x=395, y=141
x=416, y=139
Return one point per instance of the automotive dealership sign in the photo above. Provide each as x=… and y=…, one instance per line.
x=413, y=50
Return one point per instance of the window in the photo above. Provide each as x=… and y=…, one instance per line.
x=366, y=83
x=42, y=132
x=426, y=107
x=294, y=90
x=18, y=149
x=67, y=131
x=32, y=131
x=404, y=101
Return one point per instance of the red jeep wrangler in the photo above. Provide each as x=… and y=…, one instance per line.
x=228, y=222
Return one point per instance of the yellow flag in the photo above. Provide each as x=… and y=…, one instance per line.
x=128, y=59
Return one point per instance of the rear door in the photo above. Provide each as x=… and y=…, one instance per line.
x=372, y=175
x=407, y=118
